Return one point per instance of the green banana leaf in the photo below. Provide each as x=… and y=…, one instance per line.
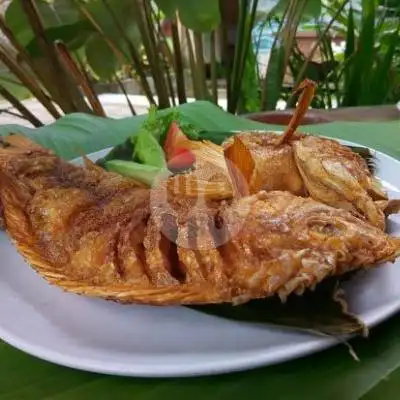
x=328, y=375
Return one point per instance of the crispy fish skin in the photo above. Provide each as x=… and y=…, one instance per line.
x=319, y=167
x=275, y=166
x=339, y=177
x=309, y=240
x=98, y=234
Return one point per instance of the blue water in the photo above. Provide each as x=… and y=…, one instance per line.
x=263, y=37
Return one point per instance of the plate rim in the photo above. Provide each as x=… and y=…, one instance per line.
x=248, y=360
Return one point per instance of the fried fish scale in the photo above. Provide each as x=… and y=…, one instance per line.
x=97, y=234
x=275, y=166
x=288, y=243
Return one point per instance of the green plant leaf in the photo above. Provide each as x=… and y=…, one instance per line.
x=388, y=387
x=64, y=22
x=311, y=11
x=12, y=84
x=363, y=60
x=168, y=7
x=100, y=57
x=383, y=78
x=321, y=311
x=366, y=49
x=348, y=53
x=98, y=53
x=54, y=13
x=73, y=35
x=274, y=77
x=124, y=13
x=202, y=16
x=250, y=100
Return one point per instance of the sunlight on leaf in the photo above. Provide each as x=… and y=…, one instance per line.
x=202, y=16
x=57, y=14
x=100, y=57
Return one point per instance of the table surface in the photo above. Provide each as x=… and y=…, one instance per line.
x=318, y=116
x=330, y=374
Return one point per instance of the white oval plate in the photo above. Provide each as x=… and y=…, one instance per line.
x=105, y=337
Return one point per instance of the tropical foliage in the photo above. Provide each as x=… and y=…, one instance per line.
x=57, y=50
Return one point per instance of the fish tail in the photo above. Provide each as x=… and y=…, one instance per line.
x=15, y=197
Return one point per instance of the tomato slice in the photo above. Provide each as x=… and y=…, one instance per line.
x=181, y=159
x=175, y=138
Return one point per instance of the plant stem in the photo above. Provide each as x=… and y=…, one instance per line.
x=143, y=20
x=201, y=70
x=289, y=32
x=245, y=51
x=192, y=63
x=128, y=100
x=80, y=78
x=26, y=58
x=12, y=81
x=274, y=46
x=168, y=59
x=232, y=100
x=28, y=82
x=225, y=61
x=86, y=76
x=170, y=85
x=214, y=85
x=262, y=27
x=150, y=17
x=71, y=98
x=282, y=50
x=300, y=76
x=330, y=57
x=20, y=107
x=113, y=47
x=12, y=113
x=180, y=78
x=134, y=55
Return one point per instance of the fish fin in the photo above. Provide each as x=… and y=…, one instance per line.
x=389, y=206
x=366, y=154
x=240, y=165
x=128, y=294
x=307, y=89
x=90, y=165
x=15, y=197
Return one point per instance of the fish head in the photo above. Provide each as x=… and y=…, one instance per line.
x=335, y=175
x=281, y=221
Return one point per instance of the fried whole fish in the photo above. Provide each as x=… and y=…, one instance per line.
x=98, y=234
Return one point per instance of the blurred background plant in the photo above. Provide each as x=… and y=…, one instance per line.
x=252, y=53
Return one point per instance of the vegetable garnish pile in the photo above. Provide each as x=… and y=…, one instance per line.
x=161, y=147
